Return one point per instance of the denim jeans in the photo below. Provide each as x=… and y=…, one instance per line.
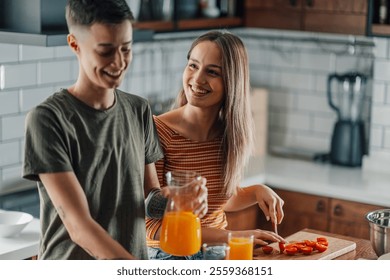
x=158, y=254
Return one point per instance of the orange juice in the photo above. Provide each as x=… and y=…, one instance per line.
x=241, y=248
x=180, y=233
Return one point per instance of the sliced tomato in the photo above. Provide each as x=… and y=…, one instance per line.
x=307, y=250
x=290, y=245
x=291, y=250
x=267, y=249
x=321, y=247
x=299, y=246
x=322, y=239
x=326, y=243
x=281, y=247
x=310, y=243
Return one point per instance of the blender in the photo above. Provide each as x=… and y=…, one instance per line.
x=348, y=139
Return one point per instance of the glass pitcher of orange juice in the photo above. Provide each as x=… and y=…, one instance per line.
x=180, y=231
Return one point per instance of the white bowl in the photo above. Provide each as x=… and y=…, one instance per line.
x=13, y=222
x=385, y=257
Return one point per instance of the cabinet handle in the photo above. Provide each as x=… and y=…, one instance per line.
x=338, y=210
x=320, y=206
x=310, y=3
x=293, y=2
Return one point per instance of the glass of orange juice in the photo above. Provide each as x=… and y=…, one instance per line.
x=180, y=230
x=241, y=246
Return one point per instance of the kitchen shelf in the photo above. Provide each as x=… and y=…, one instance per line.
x=190, y=24
x=45, y=27
x=374, y=28
x=58, y=39
x=203, y=23
x=155, y=25
x=380, y=29
x=46, y=40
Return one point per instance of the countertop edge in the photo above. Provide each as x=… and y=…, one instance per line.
x=25, y=246
x=352, y=184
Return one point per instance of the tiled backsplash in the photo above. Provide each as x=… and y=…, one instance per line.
x=293, y=70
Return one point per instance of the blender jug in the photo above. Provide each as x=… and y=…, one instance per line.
x=348, y=141
x=181, y=230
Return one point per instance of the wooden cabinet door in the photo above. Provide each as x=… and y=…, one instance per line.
x=248, y=218
x=348, y=218
x=335, y=16
x=303, y=211
x=277, y=14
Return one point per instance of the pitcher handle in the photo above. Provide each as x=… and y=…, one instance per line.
x=330, y=99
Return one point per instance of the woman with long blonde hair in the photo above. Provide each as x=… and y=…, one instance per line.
x=210, y=131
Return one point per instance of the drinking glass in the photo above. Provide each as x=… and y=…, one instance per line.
x=215, y=251
x=241, y=246
x=181, y=230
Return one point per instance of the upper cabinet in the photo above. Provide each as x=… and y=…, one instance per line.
x=33, y=22
x=179, y=15
x=333, y=16
x=378, y=19
x=42, y=22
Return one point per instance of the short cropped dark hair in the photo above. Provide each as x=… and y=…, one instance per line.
x=88, y=12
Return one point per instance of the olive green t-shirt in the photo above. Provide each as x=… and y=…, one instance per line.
x=107, y=150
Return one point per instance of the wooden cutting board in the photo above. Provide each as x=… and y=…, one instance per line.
x=336, y=247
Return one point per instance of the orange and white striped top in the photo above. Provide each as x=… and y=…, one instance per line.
x=203, y=157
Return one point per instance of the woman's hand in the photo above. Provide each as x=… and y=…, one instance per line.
x=199, y=196
x=200, y=204
x=270, y=203
x=261, y=238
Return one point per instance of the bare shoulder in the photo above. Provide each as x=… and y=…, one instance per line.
x=171, y=118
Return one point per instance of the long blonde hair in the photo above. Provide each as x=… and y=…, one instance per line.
x=235, y=113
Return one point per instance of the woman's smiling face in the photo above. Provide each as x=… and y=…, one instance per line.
x=202, y=78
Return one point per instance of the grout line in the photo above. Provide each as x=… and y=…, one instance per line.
x=2, y=77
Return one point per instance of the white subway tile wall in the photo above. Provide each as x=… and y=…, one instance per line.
x=8, y=53
x=19, y=75
x=9, y=102
x=295, y=73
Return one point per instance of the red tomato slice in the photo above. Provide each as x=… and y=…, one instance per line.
x=281, y=247
x=323, y=243
x=299, y=246
x=306, y=250
x=321, y=239
x=291, y=250
x=321, y=247
x=310, y=243
x=289, y=246
x=267, y=249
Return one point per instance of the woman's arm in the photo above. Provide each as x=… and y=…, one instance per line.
x=71, y=204
x=269, y=202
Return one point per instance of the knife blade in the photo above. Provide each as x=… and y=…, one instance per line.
x=275, y=227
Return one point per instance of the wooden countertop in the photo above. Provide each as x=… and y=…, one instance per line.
x=363, y=249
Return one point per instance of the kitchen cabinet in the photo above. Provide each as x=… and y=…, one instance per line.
x=324, y=213
x=303, y=211
x=348, y=218
x=178, y=22
x=309, y=211
x=378, y=19
x=248, y=218
x=300, y=211
x=333, y=16
x=44, y=23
